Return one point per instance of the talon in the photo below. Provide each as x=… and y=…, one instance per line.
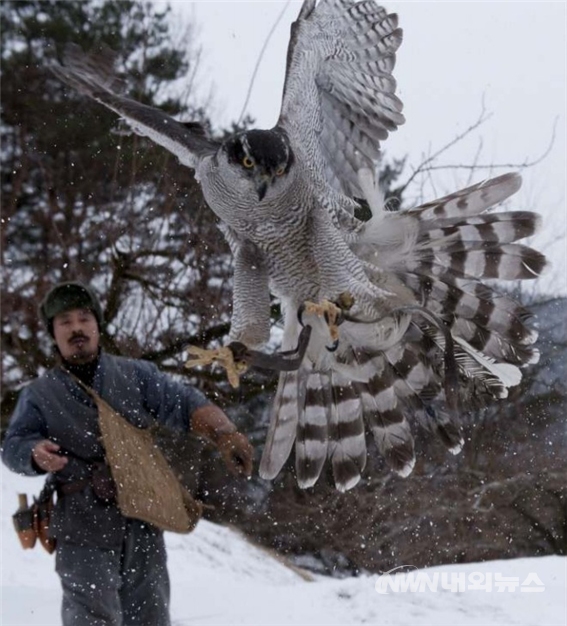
x=333, y=347
x=300, y=312
x=331, y=312
x=224, y=356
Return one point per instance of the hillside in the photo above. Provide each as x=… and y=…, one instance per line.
x=220, y=578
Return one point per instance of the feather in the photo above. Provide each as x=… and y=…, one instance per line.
x=386, y=421
x=508, y=374
x=347, y=446
x=312, y=431
x=471, y=200
x=93, y=75
x=283, y=426
x=345, y=76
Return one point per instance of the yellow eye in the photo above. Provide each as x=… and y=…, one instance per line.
x=247, y=162
x=280, y=170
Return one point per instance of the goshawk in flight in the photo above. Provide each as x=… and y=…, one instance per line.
x=400, y=321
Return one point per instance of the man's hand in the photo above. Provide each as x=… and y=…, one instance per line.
x=209, y=421
x=237, y=453
x=45, y=456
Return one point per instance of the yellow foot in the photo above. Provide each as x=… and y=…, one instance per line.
x=332, y=312
x=224, y=356
x=328, y=310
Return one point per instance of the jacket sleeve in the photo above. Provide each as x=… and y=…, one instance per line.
x=27, y=428
x=172, y=403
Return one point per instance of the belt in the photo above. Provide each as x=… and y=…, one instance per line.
x=67, y=489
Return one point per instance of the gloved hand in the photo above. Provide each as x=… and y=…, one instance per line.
x=236, y=452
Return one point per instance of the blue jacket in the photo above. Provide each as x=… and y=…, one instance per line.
x=55, y=407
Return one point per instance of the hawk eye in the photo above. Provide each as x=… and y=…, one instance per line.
x=247, y=162
x=281, y=170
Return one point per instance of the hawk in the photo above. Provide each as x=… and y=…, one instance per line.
x=402, y=324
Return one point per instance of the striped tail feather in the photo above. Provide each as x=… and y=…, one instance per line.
x=385, y=418
x=493, y=343
x=510, y=261
x=456, y=248
x=482, y=378
x=454, y=239
x=445, y=427
x=419, y=387
x=493, y=227
x=471, y=200
x=347, y=445
x=430, y=404
x=491, y=322
x=283, y=426
x=487, y=370
x=311, y=443
x=473, y=301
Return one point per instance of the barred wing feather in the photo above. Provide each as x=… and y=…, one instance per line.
x=94, y=75
x=339, y=101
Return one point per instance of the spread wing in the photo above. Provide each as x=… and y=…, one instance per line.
x=339, y=102
x=94, y=75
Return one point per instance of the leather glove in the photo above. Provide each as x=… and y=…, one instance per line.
x=236, y=452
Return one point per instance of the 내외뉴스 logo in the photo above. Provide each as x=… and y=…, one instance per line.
x=400, y=580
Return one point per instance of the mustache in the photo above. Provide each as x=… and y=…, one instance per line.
x=78, y=335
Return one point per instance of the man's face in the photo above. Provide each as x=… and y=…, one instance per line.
x=76, y=335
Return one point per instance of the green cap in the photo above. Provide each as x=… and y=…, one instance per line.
x=68, y=296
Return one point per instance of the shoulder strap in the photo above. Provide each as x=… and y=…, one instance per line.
x=94, y=395
x=100, y=401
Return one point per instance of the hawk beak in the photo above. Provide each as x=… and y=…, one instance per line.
x=262, y=183
x=261, y=188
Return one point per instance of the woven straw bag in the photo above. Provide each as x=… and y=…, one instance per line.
x=147, y=487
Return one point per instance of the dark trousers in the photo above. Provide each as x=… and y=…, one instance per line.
x=127, y=587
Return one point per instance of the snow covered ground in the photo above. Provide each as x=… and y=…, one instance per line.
x=220, y=578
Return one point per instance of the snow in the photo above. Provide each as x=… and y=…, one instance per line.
x=218, y=577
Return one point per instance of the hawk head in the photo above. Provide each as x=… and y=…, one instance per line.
x=265, y=156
